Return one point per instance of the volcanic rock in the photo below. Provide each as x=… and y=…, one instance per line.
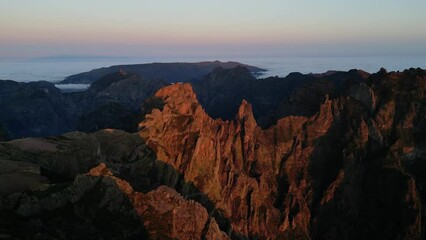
x=328, y=176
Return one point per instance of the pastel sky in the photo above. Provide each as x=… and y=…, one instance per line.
x=36, y=28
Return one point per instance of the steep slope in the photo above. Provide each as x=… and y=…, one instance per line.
x=32, y=109
x=114, y=101
x=329, y=176
x=271, y=98
x=38, y=109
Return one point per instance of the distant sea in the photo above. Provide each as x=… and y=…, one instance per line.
x=55, y=69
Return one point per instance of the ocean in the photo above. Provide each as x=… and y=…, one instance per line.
x=56, y=69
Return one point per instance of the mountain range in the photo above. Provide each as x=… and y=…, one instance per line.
x=338, y=155
x=169, y=72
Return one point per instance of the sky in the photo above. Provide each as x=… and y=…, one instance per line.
x=40, y=28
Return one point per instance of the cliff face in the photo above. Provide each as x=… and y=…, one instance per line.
x=114, y=101
x=272, y=98
x=331, y=176
x=235, y=163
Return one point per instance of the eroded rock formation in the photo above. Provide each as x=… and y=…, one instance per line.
x=331, y=176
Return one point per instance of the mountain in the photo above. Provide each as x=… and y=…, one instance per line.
x=115, y=100
x=354, y=169
x=37, y=109
x=271, y=98
x=351, y=171
x=169, y=72
x=32, y=109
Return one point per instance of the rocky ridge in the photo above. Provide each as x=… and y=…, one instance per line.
x=115, y=99
x=271, y=98
x=324, y=176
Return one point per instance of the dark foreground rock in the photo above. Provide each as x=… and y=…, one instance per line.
x=100, y=205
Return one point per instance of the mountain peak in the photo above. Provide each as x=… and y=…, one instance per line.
x=179, y=97
x=177, y=90
x=245, y=111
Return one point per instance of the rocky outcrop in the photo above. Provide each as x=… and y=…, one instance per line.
x=365, y=95
x=91, y=207
x=329, y=176
x=60, y=159
x=234, y=163
x=109, y=208
x=164, y=213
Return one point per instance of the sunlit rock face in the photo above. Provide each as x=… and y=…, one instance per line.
x=325, y=176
